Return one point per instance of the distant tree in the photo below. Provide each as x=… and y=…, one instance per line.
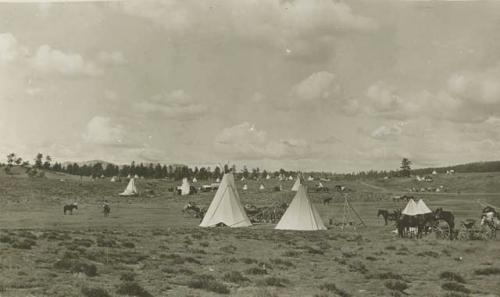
x=405, y=167
x=11, y=158
x=46, y=164
x=217, y=172
x=39, y=160
x=226, y=168
x=245, y=171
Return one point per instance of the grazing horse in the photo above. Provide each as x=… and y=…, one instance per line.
x=388, y=216
x=446, y=216
x=193, y=209
x=327, y=200
x=70, y=207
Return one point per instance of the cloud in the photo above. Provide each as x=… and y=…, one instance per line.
x=10, y=49
x=244, y=141
x=300, y=28
x=176, y=105
x=112, y=58
x=102, y=131
x=319, y=86
x=258, y=97
x=329, y=140
x=49, y=60
x=385, y=133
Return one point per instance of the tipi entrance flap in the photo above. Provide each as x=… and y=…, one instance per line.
x=301, y=214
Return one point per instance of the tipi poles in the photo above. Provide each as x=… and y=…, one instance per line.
x=356, y=213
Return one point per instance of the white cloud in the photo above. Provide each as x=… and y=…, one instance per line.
x=244, y=141
x=176, y=104
x=258, y=97
x=321, y=85
x=49, y=60
x=385, y=133
x=10, y=49
x=112, y=58
x=102, y=131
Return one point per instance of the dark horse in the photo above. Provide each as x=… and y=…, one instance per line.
x=327, y=200
x=446, y=216
x=106, y=210
x=404, y=223
x=69, y=208
x=388, y=216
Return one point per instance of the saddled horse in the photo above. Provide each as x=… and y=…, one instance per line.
x=388, y=216
x=327, y=201
x=70, y=207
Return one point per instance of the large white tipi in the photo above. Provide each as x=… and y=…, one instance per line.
x=411, y=208
x=301, y=214
x=296, y=185
x=130, y=190
x=422, y=207
x=226, y=206
x=185, y=187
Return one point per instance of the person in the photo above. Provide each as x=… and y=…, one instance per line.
x=106, y=208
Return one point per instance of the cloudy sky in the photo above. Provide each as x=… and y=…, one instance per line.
x=299, y=84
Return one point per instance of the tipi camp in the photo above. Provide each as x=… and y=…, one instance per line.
x=261, y=187
x=195, y=180
x=226, y=206
x=130, y=190
x=245, y=187
x=301, y=214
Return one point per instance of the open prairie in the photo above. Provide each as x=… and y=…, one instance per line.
x=148, y=247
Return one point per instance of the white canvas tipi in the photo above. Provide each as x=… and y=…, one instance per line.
x=411, y=209
x=185, y=187
x=296, y=185
x=242, y=178
x=320, y=185
x=245, y=187
x=310, y=178
x=130, y=190
x=422, y=207
x=261, y=187
x=113, y=179
x=301, y=214
x=290, y=177
x=226, y=206
x=195, y=180
x=136, y=176
x=217, y=180
x=268, y=177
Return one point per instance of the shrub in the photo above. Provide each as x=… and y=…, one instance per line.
x=256, y=271
x=278, y=261
x=95, y=292
x=291, y=254
x=6, y=239
x=428, y=254
x=312, y=250
x=452, y=276
x=456, y=287
x=132, y=289
x=234, y=277
x=249, y=260
x=396, y=285
x=208, y=283
x=487, y=271
x=127, y=276
x=128, y=244
x=230, y=249
x=88, y=269
x=331, y=287
x=275, y=281
x=388, y=275
x=104, y=242
x=24, y=244
x=83, y=242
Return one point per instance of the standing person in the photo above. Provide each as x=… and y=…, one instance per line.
x=106, y=208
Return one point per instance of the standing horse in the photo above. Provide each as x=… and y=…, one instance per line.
x=327, y=201
x=490, y=220
x=404, y=223
x=70, y=207
x=106, y=210
x=388, y=216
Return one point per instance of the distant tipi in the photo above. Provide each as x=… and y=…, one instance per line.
x=130, y=190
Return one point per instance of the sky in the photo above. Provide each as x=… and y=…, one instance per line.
x=302, y=85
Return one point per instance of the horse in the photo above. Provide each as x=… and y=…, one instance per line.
x=387, y=215
x=70, y=208
x=446, y=216
x=405, y=222
x=106, y=210
x=327, y=201
x=194, y=210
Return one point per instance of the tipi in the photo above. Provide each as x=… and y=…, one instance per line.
x=411, y=209
x=296, y=185
x=136, y=176
x=320, y=185
x=261, y=187
x=130, y=190
x=268, y=177
x=195, y=180
x=301, y=214
x=226, y=206
x=113, y=179
x=422, y=207
x=185, y=187
x=242, y=178
x=245, y=187
x=217, y=180
x=290, y=177
x=310, y=178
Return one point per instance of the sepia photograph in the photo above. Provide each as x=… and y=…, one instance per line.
x=253, y=148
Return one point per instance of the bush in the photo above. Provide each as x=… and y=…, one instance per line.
x=132, y=289
x=331, y=287
x=487, y=271
x=279, y=261
x=128, y=244
x=228, y=249
x=24, y=244
x=208, y=283
x=6, y=239
x=396, y=285
x=388, y=275
x=95, y=292
x=234, y=277
x=452, y=276
x=456, y=287
x=127, y=276
x=256, y=271
x=76, y=266
x=275, y=281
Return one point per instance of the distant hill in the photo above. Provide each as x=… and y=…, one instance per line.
x=485, y=166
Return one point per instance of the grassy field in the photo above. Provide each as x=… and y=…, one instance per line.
x=147, y=247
